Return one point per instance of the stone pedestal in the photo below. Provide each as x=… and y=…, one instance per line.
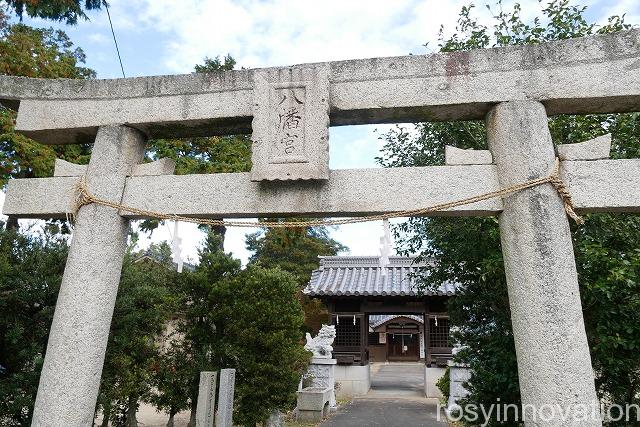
x=353, y=380
x=431, y=377
x=313, y=403
x=458, y=375
x=322, y=372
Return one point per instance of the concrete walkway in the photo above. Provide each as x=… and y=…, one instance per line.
x=396, y=399
x=397, y=380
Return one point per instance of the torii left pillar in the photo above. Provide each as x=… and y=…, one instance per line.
x=72, y=369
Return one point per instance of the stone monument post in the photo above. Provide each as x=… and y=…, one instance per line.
x=205, y=410
x=224, y=414
x=72, y=368
x=554, y=366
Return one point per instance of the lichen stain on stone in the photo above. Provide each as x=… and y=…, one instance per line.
x=457, y=64
x=540, y=213
x=634, y=66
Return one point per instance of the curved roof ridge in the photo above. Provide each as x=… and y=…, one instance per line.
x=390, y=317
x=362, y=275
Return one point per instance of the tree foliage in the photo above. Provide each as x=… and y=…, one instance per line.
x=296, y=251
x=606, y=246
x=45, y=53
x=31, y=267
x=245, y=319
x=68, y=11
x=142, y=310
x=215, y=65
x=258, y=324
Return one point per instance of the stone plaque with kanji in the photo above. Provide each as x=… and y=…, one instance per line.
x=291, y=124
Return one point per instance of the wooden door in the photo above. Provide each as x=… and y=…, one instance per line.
x=403, y=346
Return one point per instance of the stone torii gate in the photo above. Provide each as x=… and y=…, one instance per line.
x=289, y=110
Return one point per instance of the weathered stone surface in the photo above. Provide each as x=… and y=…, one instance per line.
x=78, y=339
x=224, y=415
x=595, y=186
x=459, y=156
x=352, y=380
x=276, y=419
x=590, y=74
x=64, y=168
x=313, y=398
x=593, y=149
x=431, y=376
x=313, y=403
x=322, y=374
x=290, y=124
x=603, y=185
x=163, y=166
x=235, y=195
x=205, y=410
x=554, y=366
x=320, y=345
x=458, y=375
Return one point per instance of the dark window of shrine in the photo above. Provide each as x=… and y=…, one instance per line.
x=439, y=335
x=373, y=338
x=347, y=333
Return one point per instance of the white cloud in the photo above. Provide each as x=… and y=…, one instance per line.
x=281, y=32
x=98, y=38
x=630, y=8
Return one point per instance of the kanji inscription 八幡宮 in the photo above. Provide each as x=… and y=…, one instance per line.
x=291, y=124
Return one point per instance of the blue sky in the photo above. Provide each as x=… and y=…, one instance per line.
x=169, y=37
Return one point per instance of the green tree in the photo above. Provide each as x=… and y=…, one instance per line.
x=608, y=257
x=606, y=246
x=215, y=65
x=246, y=319
x=68, y=11
x=191, y=348
x=35, y=52
x=31, y=267
x=172, y=378
x=258, y=332
x=142, y=311
x=296, y=251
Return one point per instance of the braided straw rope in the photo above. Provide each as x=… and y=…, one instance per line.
x=84, y=197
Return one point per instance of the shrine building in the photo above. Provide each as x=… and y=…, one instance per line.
x=380, y=315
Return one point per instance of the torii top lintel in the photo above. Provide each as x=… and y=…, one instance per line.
x=288, y=110
x=594, y=74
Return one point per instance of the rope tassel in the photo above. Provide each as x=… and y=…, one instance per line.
x=561, y=188
x=84, y=197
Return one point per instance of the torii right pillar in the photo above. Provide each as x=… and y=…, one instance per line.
x=554, y=365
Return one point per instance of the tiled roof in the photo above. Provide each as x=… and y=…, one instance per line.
x=362, y=276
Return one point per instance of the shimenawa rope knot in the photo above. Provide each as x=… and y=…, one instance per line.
x=84, y=197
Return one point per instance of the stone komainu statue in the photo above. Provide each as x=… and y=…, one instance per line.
x=320, y=346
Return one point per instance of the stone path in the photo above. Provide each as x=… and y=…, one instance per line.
x=396, y=399
x=397, y=380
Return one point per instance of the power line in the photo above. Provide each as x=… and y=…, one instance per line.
x=114, y=38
